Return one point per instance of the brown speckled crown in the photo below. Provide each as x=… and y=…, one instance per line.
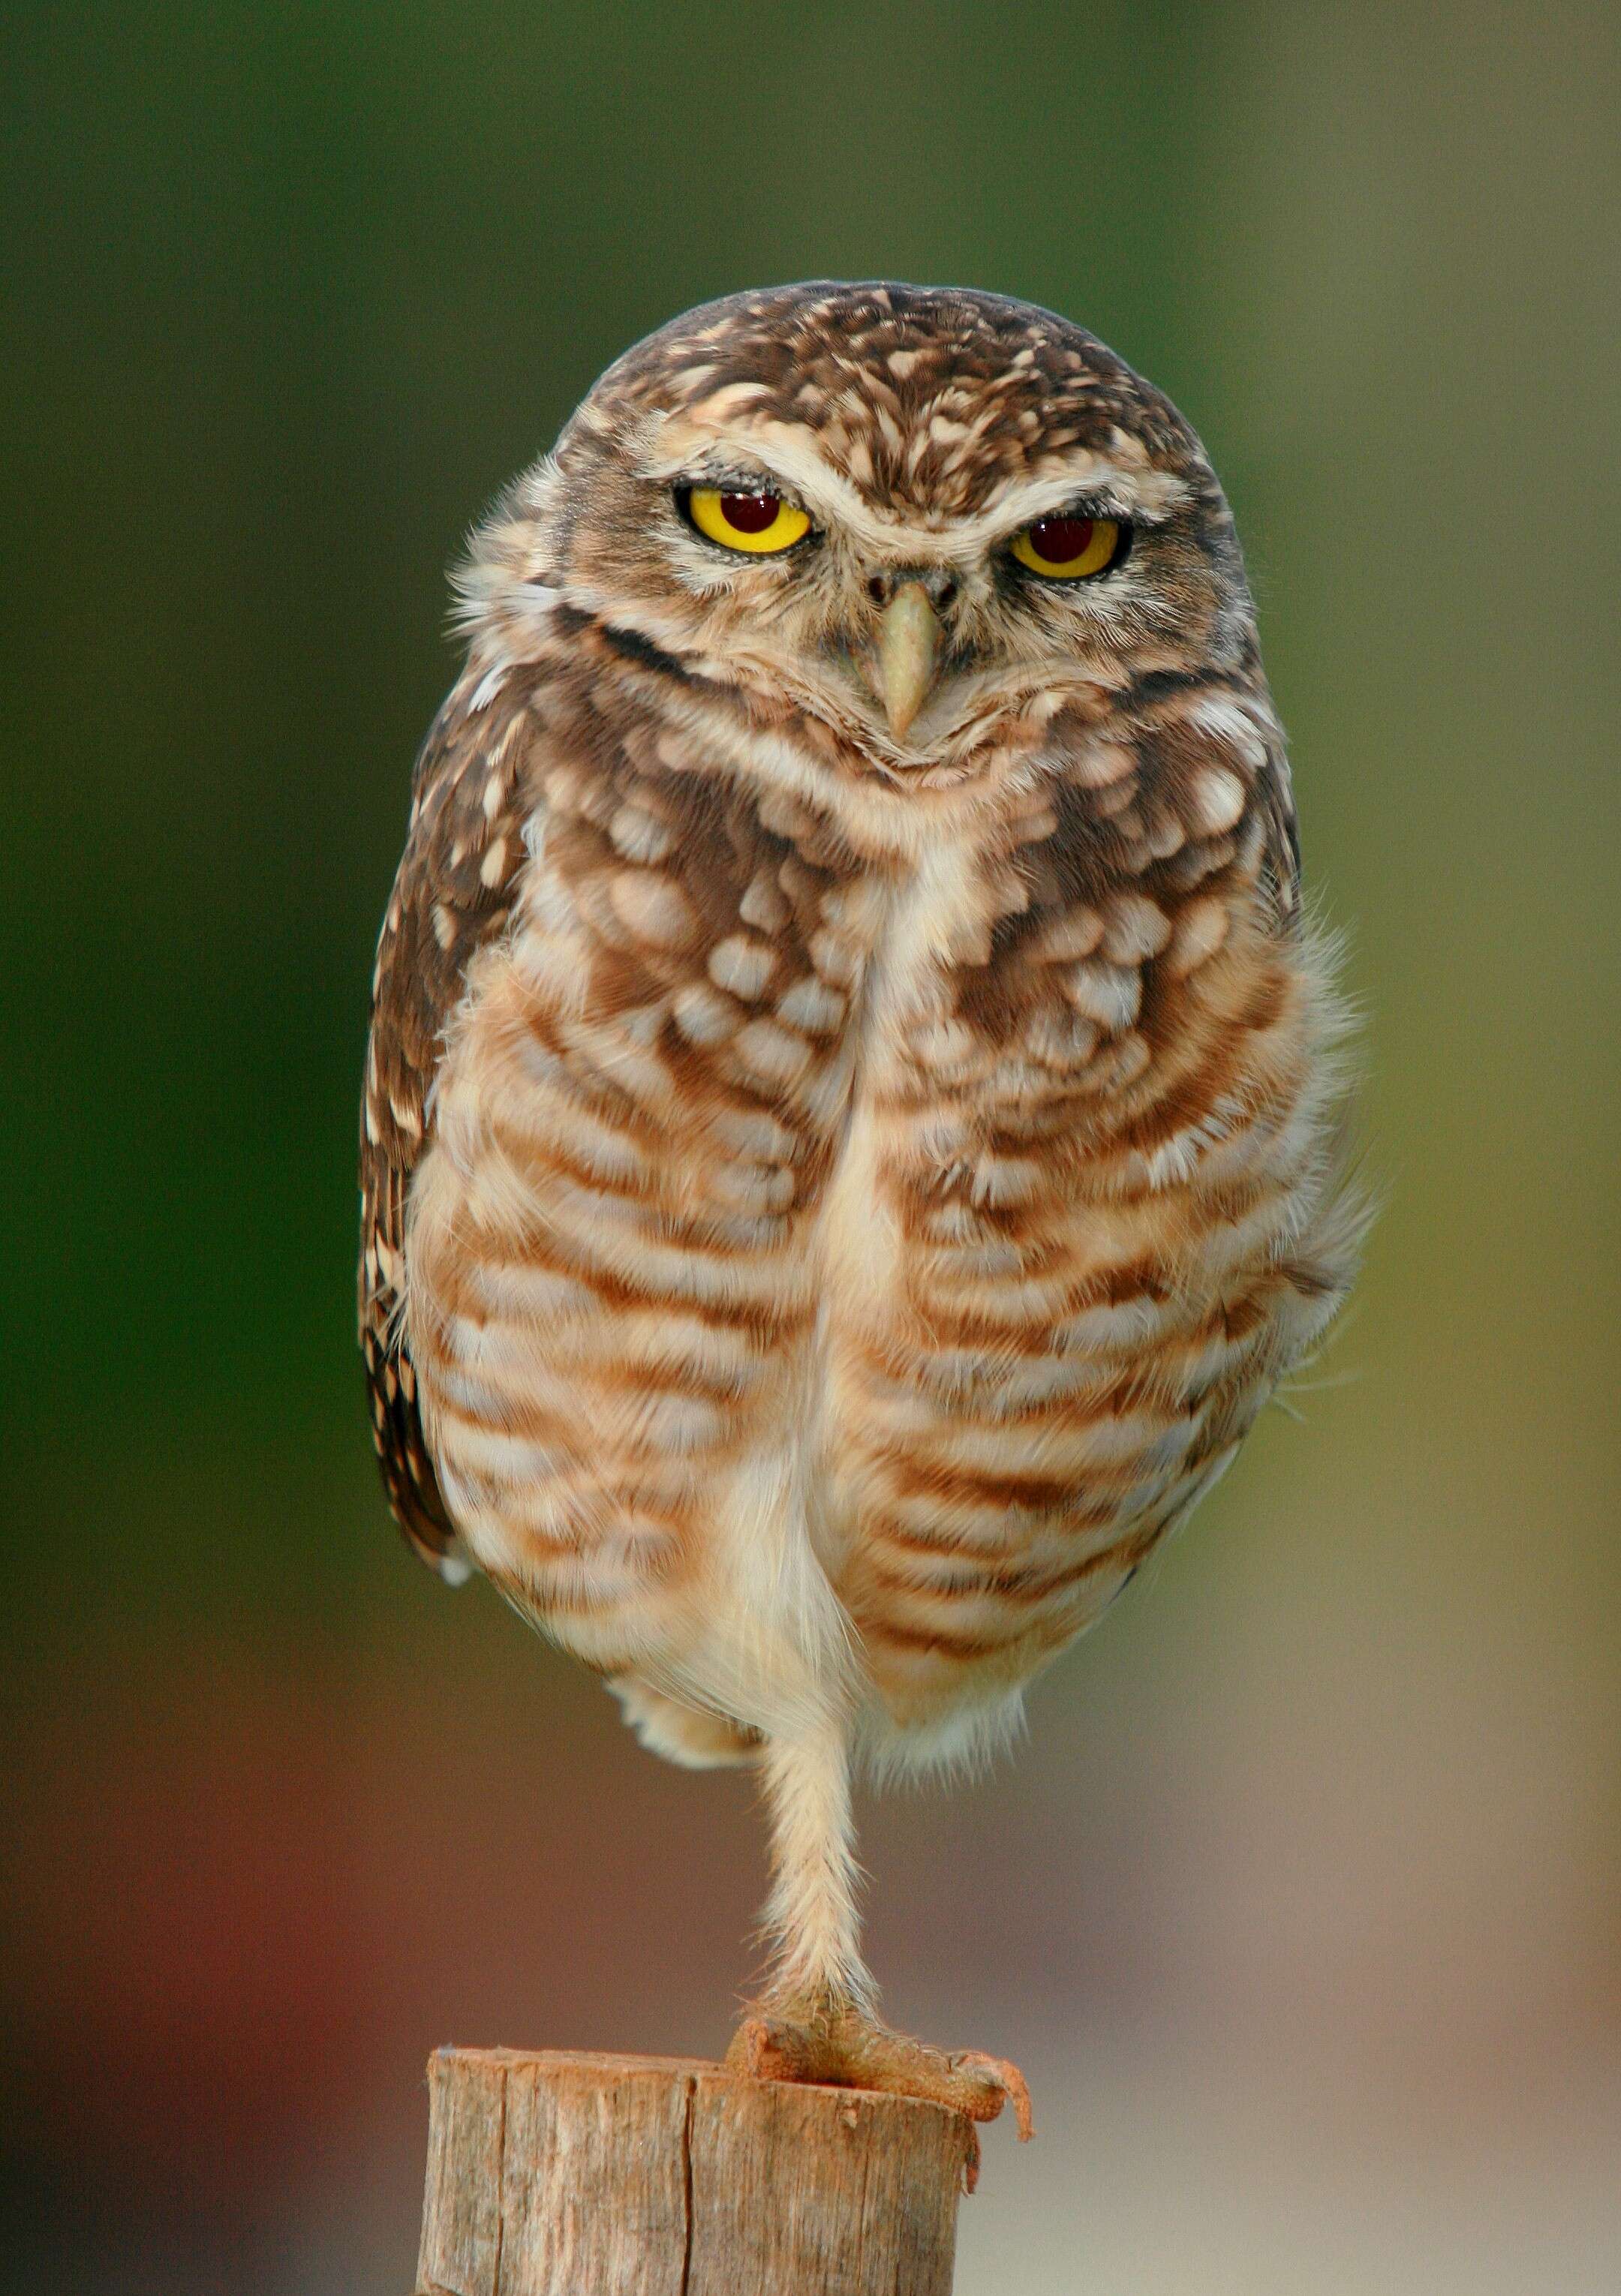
x=879, y=362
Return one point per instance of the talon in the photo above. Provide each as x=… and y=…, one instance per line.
x=1010, y=2084
x=758, y=2049
x=848, y=2050
x=748, y=2048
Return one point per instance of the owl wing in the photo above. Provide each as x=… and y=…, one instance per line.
x=1280, y=835
x=452, y=896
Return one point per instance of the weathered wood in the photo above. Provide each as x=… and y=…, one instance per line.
x=556, y=2175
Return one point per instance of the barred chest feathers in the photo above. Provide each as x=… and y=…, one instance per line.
x=862, y=1217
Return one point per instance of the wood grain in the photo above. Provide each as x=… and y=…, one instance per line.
x=557, y=2174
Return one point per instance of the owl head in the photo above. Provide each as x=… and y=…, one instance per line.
x=903, y=510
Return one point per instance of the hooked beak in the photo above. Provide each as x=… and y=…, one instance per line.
x=906, y=655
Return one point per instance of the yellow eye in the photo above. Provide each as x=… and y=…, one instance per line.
x=762, y=523
x=1068, y=549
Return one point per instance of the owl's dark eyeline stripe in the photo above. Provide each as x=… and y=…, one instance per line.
x=632, y=646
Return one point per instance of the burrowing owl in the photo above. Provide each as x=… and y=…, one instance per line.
x=850, y=1122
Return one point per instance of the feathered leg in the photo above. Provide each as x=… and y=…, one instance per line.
x=819, y=2018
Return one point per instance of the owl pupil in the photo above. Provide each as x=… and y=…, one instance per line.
x=750, y=514
x=1060, y=539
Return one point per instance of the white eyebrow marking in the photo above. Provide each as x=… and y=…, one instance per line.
x=787, y=453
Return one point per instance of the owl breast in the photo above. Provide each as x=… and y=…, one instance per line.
x=827, y=1249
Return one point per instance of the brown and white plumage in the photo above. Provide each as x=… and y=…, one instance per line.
x=835, y=1197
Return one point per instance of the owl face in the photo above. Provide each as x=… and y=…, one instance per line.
x=903, y=510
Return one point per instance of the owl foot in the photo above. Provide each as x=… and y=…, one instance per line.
x=845, y=2049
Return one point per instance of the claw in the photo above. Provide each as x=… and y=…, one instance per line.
x=768, y=2049
x=1010, y=2085
x=849, y=2051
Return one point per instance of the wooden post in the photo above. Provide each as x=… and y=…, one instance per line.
x=554, y=2175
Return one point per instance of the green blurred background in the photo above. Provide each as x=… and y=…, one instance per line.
x=1300, y=1906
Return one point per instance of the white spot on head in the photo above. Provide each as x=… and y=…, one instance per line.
x=730, y=400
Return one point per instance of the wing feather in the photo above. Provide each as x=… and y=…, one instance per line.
x=453, y=895
x=1281, y=834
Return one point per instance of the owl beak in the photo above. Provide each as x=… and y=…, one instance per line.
x=908, y=654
